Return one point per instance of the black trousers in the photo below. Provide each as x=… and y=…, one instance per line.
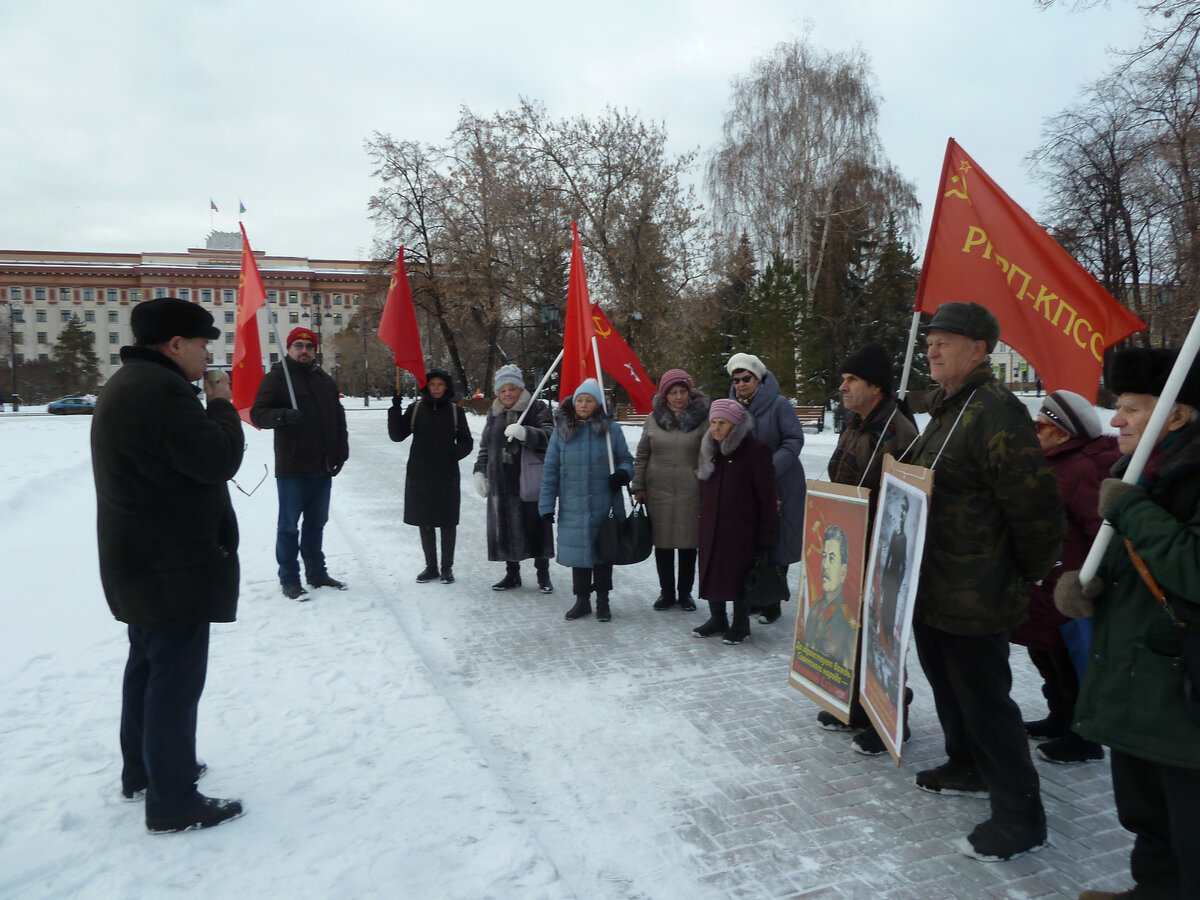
x=599, y=578
x=664, y=561
x=164, y=678
x=972, y=683
x=1060, y=685
x=429, y=545
x=1160, y=805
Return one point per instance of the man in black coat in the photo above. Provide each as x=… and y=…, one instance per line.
x=311, y=446
x=168, y=543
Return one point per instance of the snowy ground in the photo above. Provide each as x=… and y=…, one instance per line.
x=430, y=741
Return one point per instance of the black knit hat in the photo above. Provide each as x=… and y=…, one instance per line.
x=157, y=321
x=969, y=319
x=873, y=364
x=1145, y=371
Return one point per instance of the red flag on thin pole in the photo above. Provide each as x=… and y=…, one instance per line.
x=577, y=364
x=984, y=247
x=247, y=351
x=398, y=325
x=621, y=362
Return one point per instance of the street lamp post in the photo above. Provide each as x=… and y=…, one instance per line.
x=12, y=341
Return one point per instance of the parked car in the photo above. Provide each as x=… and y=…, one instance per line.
x=72, y=406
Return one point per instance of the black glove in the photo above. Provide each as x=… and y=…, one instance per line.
x=618, y=480
x=549, y=517
x=291, y=417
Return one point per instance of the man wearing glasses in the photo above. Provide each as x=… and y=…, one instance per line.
x=311, y=446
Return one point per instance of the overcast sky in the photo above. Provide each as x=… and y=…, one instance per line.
x=118, y=121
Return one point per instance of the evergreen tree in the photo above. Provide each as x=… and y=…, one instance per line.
x=773, y=310
x=728, y=314
x=75, y=357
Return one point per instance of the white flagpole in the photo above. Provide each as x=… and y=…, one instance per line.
x=545, y=378
x=1158, y=418
x=287, y=376
x=908, y=356
x=612, y=466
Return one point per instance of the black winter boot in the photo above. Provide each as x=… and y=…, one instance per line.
x=429, y=547
x=543, y=575
x=665, y=600
x=511, y=579
x=603, y=613
x=686, y=601
x=718, y=622
x=582, y=607
x=740, y=629
x=429, y=573
x=448, y=536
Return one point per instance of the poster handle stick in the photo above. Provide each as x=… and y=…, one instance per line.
x=612, y=466
x=1158, y=418
x=541, y=386
x=908, y=355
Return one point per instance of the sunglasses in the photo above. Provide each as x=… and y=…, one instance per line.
x=742, y=379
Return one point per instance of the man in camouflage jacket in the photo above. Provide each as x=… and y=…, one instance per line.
x=996, y=523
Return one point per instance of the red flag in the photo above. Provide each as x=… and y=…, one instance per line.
x=983, y=247
x=619, y=361
x=398, y=325
x=247, y=351
x=577, y=364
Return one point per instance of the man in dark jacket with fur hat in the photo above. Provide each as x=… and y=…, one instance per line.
x=995, y=524
x=1139, y=694
x=311, y=446
x=168, y=543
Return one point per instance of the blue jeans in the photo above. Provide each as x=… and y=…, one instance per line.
x=306, y=495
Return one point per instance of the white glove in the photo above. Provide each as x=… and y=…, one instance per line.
x=515, y=432
x=481, y=484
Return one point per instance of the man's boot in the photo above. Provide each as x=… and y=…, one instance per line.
x=511, y=579
x=740, y=629
x=718, y=622
x=603, y=613
x=429, y=546
x=542, y=566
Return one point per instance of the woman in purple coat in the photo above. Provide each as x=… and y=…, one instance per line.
x=739, y=518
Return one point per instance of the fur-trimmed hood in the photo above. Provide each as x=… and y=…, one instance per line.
x=709, y=446
x=567, y=424
x=694, y=414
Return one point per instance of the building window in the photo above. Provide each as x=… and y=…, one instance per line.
x=206, y=296
x=114, y=359
x=18, y=315
x=18, y=338
x=274, y=357
x=114, y=337
x=293, y=296
x=89, y=315
x=42, y=338
x=227, y=296
x=64, y=295
x=41, y=315
x=316, y=297
x=135, y=296
x=294, y=317
x=337, y=318
x=185, y=294
x=39, y=294
x=64, y=315
x=270, y=337
x=111, y=294
x=43, y=357
x=89, y=294
x=160, y=292
x=357, y=299
x=20, y=359
x=230, y=317
x=229, y=359
x=113, y=316
x=14, y=293
x=229, y=337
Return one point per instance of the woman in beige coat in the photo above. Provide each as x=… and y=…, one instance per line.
x=664, y=478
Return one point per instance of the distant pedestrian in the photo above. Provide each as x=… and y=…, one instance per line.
x=578, y=480
x=664, y=478
x=508, y=474
x=775, y=423
x=441, y=439
x=168, y=541
x=739, y=517
x=311, y=446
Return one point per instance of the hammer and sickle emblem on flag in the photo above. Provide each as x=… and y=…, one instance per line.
x=633, y=374
x=961, y=180
x=599, y=330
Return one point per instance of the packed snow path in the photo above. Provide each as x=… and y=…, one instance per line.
x=429, y=741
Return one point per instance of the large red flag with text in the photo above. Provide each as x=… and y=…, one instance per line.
x=618, y=360
x=398, y=325
x=247, y=351
x=577, y=362
x=984, y=247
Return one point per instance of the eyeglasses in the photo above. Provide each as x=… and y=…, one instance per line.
x=742, y=379
x=304, y=345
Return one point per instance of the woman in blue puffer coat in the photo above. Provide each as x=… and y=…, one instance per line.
x=577, y=477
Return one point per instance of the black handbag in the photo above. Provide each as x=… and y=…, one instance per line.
x=765, y=585
x=624, y=538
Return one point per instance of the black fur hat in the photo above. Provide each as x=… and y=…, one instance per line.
x=873, y=364
x=1145, y=371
